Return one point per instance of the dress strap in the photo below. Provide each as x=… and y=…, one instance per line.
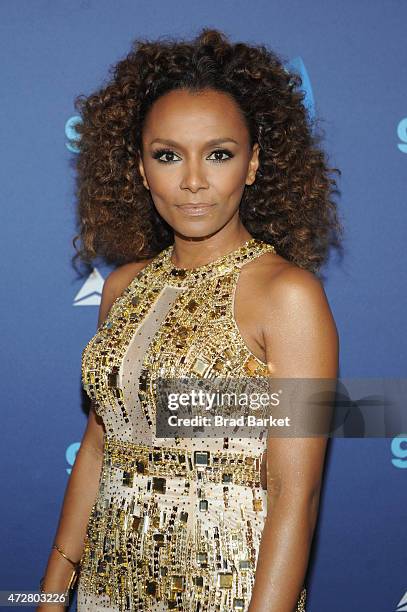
x=226, y=290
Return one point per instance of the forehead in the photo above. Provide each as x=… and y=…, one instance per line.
x=182, y=114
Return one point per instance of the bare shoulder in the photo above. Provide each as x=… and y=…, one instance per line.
x=294, y=283
x=115, y=283
x=282, y=309
x=298, y=330
x=277, y=282
x=120, y=278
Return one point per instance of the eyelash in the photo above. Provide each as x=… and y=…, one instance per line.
x=161, y=152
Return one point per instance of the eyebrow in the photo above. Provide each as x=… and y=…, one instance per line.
x=214, y=141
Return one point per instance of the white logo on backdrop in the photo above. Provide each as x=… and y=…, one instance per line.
x=402, y=134
x=90, y=292
x=72, y=135
x=399, y=450
x=402, y=604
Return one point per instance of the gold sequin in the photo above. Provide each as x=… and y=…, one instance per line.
x=177, y=523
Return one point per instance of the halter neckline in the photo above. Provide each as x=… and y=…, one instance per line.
x=184, y=276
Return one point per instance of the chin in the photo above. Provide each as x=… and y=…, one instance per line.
x=188, y=232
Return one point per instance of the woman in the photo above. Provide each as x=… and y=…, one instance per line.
x=199, y=177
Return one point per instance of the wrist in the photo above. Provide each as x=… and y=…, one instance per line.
x=61, y=574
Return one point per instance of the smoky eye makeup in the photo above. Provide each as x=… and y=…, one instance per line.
x=169, y=152
x=160, y=152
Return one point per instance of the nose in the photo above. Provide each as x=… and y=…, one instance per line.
x=194, y=176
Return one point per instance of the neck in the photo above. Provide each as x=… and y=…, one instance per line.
x=192, y=252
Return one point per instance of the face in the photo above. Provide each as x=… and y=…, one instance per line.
x=196, y=151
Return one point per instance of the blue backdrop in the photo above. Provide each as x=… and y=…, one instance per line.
x=353, y=56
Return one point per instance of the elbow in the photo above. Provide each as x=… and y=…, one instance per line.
x=311, y=508
x=300, y=507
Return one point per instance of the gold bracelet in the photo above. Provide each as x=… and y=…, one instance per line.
x=70, y=585
x=74, y=574
x=59, y=549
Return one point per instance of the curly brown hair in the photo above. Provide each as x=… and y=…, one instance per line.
x=289, y=205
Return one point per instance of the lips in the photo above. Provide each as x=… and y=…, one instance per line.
x=195, y=205
x=195, y=209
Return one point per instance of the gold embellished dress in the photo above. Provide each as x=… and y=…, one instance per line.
x=177, y=522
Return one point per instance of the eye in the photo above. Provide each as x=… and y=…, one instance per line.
x=159, y=153
x=222, y=152
x=168, y=152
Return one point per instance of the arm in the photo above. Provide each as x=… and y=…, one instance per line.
x=82, y=486
x=78, y=500
x=301, y=341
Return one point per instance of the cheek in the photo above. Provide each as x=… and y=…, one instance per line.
x=163, y=181
x=229, y=179
x=234, y=171
x=231, y=183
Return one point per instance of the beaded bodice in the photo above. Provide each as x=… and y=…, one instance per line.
x=169, y=322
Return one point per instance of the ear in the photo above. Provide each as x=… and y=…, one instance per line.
x=253, y=165
x=142, y=171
